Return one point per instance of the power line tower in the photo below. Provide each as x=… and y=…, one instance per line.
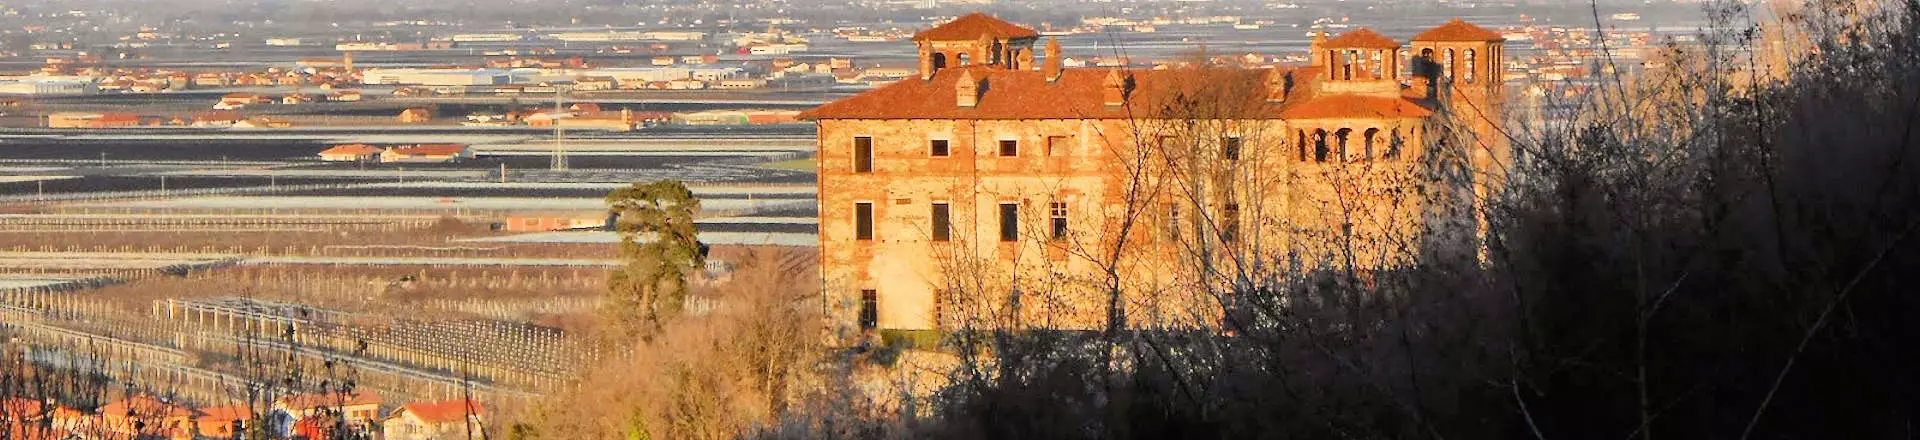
x=559, y=162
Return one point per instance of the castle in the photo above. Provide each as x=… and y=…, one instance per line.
x=994, y=186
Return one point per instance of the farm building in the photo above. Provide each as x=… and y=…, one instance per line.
x=351, y=153
x=264, y=122
x=238, y=100
x=435, y=420
x=416, y=115
x=436, y=77
x=427, y=153
x=359, y=409
x=216, y=119
x=92, y=120
x=544, y=221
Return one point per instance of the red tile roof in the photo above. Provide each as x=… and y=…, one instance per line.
x=354, y=149
x=225, y=414
x=972, y=26
x=1459, y=30
x=1361, y=38
x=446, y=411
x=17, y=408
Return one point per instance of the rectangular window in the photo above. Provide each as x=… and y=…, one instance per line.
x=942, y=222
x=1009, y=148
x=863, y=154
x=1057, y=145
x=938, y=148
x=863, y=221
x=1009, y=222
x=869, y=309
x=1058, y=212
x=1230, y=148
x=1230, y=225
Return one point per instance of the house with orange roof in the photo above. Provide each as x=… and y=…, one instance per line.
x=148, y=416
x=234, y=101
x=223, y=421
x=351, y=153
x=426, y=153
x=441, y=420
x=320, y=411
x=1000, y=153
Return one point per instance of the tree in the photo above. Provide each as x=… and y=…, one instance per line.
x=659, y=247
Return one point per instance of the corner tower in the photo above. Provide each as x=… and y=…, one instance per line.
x=1464, y=61
x=975, y=39
x=1360, y=61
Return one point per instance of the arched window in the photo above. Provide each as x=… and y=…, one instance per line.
x=964, y=59
x=996, y=53
x=1302, y=144
x=1320, y=149
x=1369, y=136
x=1473, y=67
x=939, y=61
x=1379, y=65
x=1404, y=65
x=1448, y=65
x=1333, y=65
x=1346, y=65
x=1341, y=139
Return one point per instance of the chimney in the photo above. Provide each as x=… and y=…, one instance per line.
x=966, y=90
x=1114, y=91
x=1054, y=63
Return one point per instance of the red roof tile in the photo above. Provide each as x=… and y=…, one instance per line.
x=1459, y=30
x=1361, y=38
x=972, y=26
x=446, y=411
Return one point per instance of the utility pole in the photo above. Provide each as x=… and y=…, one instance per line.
x=559, y=134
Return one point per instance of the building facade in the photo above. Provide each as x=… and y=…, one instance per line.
x=994, y=191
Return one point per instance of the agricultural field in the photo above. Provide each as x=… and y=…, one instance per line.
x=182, y=246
